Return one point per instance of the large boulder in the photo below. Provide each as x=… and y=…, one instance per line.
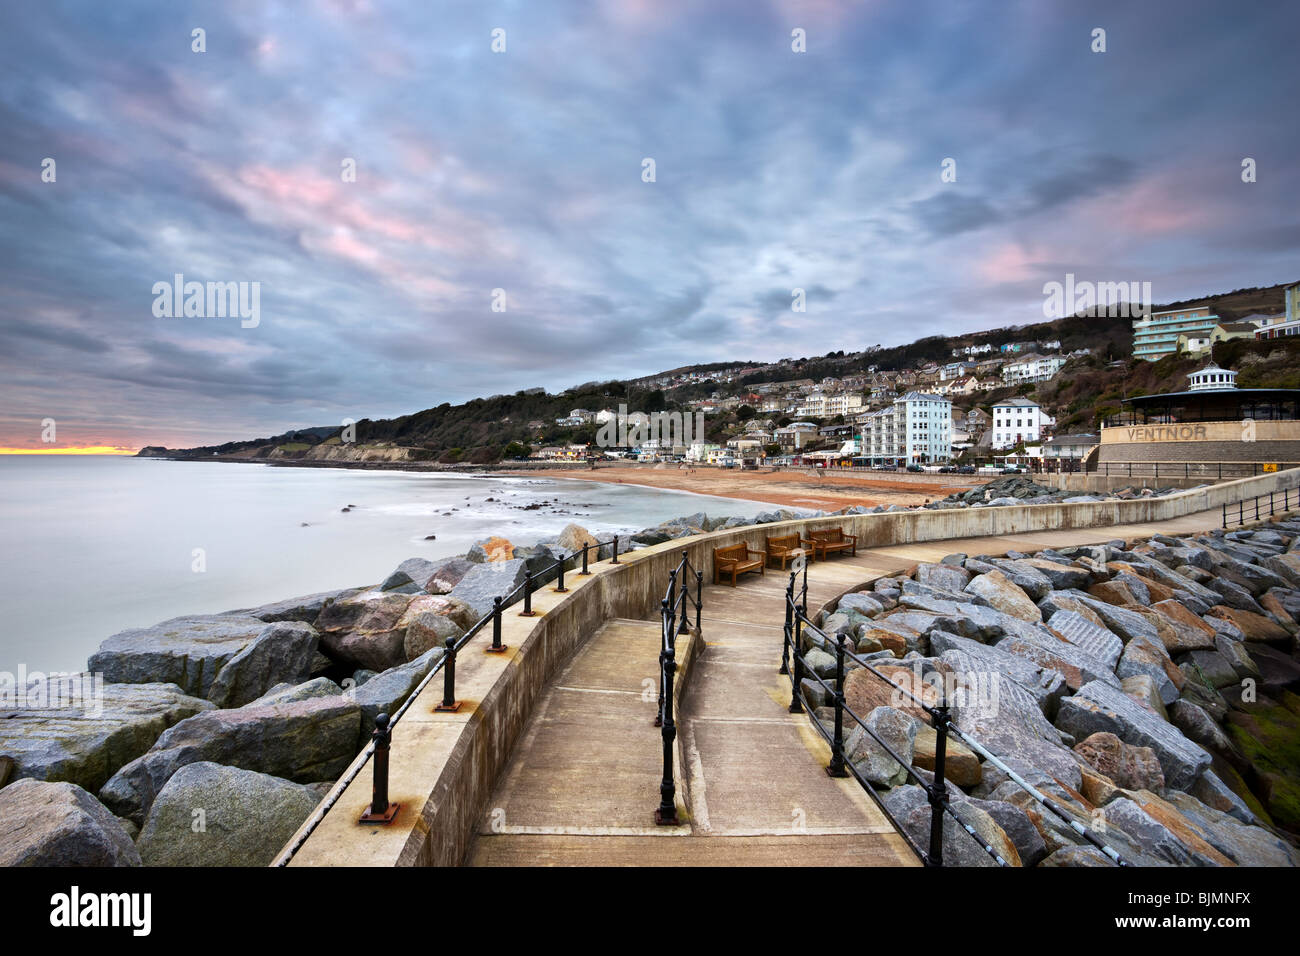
x=1072, y=663
x=898, y=731
x=864, y=692
x=88, y=743
x=246, y=817
x=573, y=536
x=491, y=549
x=1091, y=638
x=1286, y=565
x=1244, y=844
x=949, y=577
x=1178, y=845
x=60, y=824
x=1145, y=655
x=430, y=620
x=385, y=692
x=306, y=741
x=960, y=765
x=1005, y=718
x=1134, y=768
x=185, y=651
x=363, y=630
x=1185, y=631
x=1255, y=627
x=1126, y=622
x=414, y=571
x=306, y=608
x=960, y=847
x=1003, y=594
x=291, y=693
x=861, y=603
x=281, y=654
x=1101, y=708
x=489, y=580
x=1025, y=576
x=974, y=659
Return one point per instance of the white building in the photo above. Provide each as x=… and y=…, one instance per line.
x=916, y=428
x=1016, y=420
x=1032, y=368
x=703, y=451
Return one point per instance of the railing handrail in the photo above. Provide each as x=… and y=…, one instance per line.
x=1257, y=501
x=797, y=619
x=446, y=666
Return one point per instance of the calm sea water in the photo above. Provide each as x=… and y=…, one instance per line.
x=94, y=545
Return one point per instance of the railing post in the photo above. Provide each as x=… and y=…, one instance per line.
x=789, y=626
x=664, y=629
x=528, y=595
x=699, y=598
x=449, y=702
x=584, y=572
x=938, y=791
x=1225, y=514
x=497, y=647
x=666, y=814
x=836, y=769
x=672, y=604
x=796, y=705
x=614, y=559
x=559, y=578
x=381, y=811
x=682, y=626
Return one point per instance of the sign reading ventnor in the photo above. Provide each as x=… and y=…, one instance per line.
x=211, y=300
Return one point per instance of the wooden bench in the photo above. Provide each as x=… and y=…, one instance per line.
x=829, y=541
x=786, y=548
x=736, y=559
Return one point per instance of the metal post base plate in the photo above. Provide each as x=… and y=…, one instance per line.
x=448, y=708
x=665, y=819
x=380, y=818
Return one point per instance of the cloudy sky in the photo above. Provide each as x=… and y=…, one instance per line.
x=522, y=171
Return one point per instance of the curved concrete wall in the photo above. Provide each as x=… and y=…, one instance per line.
x=444, y=767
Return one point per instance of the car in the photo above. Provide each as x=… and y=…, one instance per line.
x=966, y=470
x=946, y=469
x=915, y=468
x=1012, y=471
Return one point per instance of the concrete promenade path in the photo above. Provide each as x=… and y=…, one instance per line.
x=583, y=783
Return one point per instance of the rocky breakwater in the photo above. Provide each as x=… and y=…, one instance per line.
x=1149, y=688
x=206, y=740
x=1023, y=490
x=210, y=738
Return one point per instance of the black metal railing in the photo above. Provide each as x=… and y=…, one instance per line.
x=1216, y=470
x=381, y=810
x=1261, y=506
x=674, y=616
x=793, y=663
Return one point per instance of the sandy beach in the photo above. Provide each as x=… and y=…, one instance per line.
x=791, y=489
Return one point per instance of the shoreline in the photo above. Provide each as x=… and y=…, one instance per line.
x=787, y=489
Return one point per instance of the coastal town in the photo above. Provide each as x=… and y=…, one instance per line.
x=650, y=442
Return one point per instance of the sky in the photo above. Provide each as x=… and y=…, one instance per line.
x=523, y=170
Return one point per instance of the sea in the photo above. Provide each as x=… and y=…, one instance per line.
x=93, y=545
